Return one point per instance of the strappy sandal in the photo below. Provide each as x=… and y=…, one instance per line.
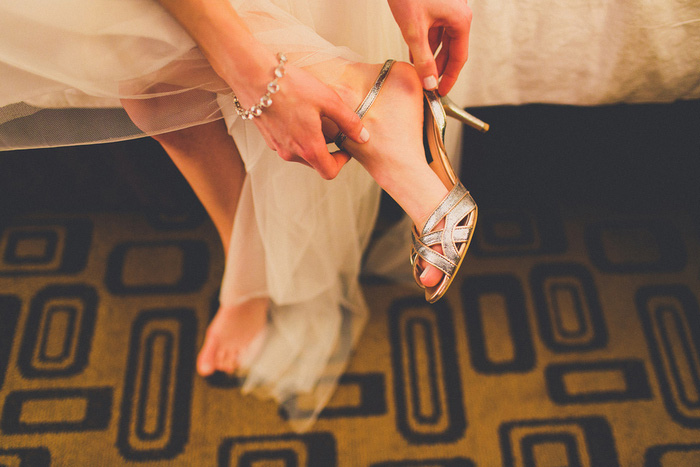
x=458, y=208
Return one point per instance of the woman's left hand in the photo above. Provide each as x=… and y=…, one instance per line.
x=428, y=24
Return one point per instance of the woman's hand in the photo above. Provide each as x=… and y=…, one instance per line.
x=292, y=124
x=428, y=24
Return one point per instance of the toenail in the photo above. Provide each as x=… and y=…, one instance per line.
x=424, y=274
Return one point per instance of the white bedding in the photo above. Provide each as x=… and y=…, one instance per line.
x=582, y=52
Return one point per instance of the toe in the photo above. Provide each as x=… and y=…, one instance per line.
x=431, y=276
x=206, y=361
x=229, y=332
x=227, y=361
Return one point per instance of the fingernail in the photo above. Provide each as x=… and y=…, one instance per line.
x=430, y=83
x=364, y=135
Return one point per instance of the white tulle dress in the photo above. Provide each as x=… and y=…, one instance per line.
x=66, y=68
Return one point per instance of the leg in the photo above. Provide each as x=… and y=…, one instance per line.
x=209, y=159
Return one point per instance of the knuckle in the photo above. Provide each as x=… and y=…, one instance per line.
x=355, y=121
x=285, y=155
x=334, y=97
x=414, y=34
x=336, y=170
x=423, y=61
x=326, y=170
x=308, y=156
x=464, y=16
x=468, y=14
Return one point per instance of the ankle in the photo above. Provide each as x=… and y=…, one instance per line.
x=418, y=204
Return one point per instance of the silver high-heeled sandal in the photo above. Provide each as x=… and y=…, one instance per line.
x=457, y=209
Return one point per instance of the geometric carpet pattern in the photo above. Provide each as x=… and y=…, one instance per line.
x=567, y=341
x=571, y=336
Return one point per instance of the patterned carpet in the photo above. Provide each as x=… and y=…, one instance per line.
x=572, y=337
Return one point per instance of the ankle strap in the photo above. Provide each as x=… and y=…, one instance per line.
x=369, y=99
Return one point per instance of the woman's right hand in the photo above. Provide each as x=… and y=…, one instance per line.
x=431, y=25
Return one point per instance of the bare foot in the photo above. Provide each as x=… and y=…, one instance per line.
x=394, y=156
x=230, y=334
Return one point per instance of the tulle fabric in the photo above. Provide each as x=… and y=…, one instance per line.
x=309, y=234
x=70, y=68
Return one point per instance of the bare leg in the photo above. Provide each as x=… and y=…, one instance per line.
x=209, y=159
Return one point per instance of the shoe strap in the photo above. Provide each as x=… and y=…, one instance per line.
x=446, y=205
x=369, y=99
x=432, y=99
x=455, y=207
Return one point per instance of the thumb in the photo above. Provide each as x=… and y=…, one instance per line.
x=348, y=122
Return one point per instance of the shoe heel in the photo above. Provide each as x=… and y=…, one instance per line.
x=455, y=111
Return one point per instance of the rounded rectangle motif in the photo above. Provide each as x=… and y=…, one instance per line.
x=45, y=247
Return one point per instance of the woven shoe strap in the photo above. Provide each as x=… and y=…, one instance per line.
x=454, y=208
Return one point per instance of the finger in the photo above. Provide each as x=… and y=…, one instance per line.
x=423, y=61
x=228, y=361
x=281, y=150
x=341, y=157
x=435, y=38
x=299, y=160
x=338, y=159
x=458, y=52
x=269, y=140
x=288, y=156
x=442, y=57
x=325, y=163
x=454, y=64
x=314, y=152
x=345, y=118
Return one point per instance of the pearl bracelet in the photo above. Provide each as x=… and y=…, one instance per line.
x=266, y=100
